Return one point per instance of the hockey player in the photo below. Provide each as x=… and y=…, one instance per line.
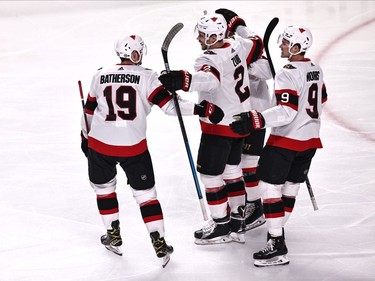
x=295, y=125
x=221, y=77
x=259, y=73
x=260, y=99
x=120, y=98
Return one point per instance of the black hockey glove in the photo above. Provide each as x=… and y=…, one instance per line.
x=206, y=109
x=233, y=20
x=176, y=80
x=84, y=144
x=247, y=122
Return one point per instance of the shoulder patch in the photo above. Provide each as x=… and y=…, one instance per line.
x=209, y=53
x=289, y=66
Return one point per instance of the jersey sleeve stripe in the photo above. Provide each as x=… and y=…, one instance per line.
x=91, y=104
x=208, y=68
x=324, y=94
x=292, y=100
x=160, y=96
x=256, y=51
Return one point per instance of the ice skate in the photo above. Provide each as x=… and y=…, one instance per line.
x=217, y=231
x=254, y=214
x=112, y=240
x=273, y=254
x=162, y=249
x=237, y=225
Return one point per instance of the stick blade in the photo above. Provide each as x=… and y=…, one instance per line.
x=172, y=33
x=271, y=26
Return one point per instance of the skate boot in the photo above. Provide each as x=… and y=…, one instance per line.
x=217, y=231
x=254, y=214
x=269, y=237
x=237, y=225
x=162, y=249
x=112, y=240
x=273, y=254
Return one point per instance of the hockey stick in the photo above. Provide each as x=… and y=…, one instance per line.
x=266, y=38
x=164, y=50
x=83, y=105
x=312, y=197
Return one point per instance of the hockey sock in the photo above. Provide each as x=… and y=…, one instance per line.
x=217, y=200
x=236, y=194
x=108, y=208
x=152, y=215
x=274, y=214
x=251, y=184
x=289, y=203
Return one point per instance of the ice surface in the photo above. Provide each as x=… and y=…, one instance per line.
x=50, y=226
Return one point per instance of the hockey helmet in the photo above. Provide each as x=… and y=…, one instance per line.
x=124, y=46
x=297, y=35
x=213, y=24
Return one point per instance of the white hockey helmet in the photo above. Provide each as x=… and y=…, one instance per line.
x=212, y=24
x=124, y=46
x=297, y=35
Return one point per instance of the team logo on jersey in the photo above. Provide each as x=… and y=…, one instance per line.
x=289, y=66
x=209, y=53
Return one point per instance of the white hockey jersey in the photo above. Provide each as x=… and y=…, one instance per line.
x=300, y=93
x=120, y=98
x=260, y=97
x=222, y=78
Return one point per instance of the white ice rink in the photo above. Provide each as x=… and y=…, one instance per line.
x=49, y=222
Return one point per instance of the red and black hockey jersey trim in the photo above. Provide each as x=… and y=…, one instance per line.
x=256, y=51
x=294, y=144
x=160, y=96
x=209, y=68
x=324, y=94
x=291, y=101
x=118, y=150
x=219, y=130
x=91, y=104
x=151, y=211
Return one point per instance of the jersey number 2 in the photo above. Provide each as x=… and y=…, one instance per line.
x=238, y=73
x=125, y=99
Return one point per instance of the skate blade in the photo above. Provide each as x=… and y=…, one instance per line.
x=217, y=240
x=114, y=249
x=238, y=237
x=165, y=260
x=278, y=260
x=255, y=224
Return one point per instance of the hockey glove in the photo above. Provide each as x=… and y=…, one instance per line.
x=176, y=80
x=247, y=122
x=233, y=20
x=84, y=144
x=206, y=109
